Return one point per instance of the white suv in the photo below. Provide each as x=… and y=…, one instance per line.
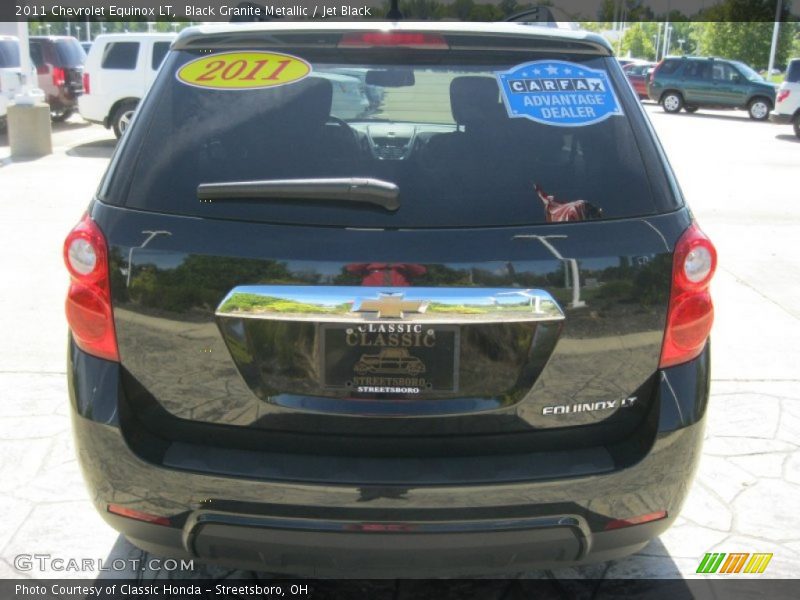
x=787, y=102
x=119, y=70
x=10, y=74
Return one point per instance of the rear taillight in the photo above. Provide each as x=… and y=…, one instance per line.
x=639, y=520
x=88, y=305
x=59, y=76
x=691, y=312
x=85, y=83
x=371, y=39
x=655, y=70
x=783, y=95
x=138, y=515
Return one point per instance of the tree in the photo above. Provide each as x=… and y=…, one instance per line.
x=422, y=10
x=637, y=42
x=747, y=42
x=462, y=8
x=508, y=7
x=485, y=12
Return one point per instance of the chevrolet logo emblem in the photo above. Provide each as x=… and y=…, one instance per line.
x=391, y=306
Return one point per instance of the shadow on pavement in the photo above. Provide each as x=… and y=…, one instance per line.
x=70, y=124
x=739, y=117
x=788, y=137
x=649, y=574
x=96, y=149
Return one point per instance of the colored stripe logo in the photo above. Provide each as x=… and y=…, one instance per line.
x=735, y=562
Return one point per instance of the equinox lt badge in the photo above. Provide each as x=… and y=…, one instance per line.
x=566, y=409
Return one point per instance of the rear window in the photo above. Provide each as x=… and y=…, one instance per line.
x=637, y=69
x=69, y=53
x=669, y=66
x=793, y=72
x=9, y=54
x=160, y=50
x=439, y=131
x=37, y=54
x=120, y=56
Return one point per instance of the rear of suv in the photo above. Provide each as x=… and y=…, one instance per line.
x=787, y=107
x=462, y=331
x=59, y=66
x=695, y=82
x=120, y=68
x=10, y=74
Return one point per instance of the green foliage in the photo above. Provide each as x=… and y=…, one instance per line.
x=421, y=9
x=795, y=51
x=638, y=42
x=632, y=10
x=485, y=12
x=201, y=282
x=256, y=303
x=747, y=42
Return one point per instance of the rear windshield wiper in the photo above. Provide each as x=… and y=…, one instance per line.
x=360, y=190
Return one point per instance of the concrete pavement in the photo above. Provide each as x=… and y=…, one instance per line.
x=740, y=179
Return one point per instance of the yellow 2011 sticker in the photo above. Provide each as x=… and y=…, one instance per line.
x=243, y=70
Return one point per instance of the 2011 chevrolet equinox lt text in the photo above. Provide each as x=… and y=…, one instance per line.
x=453, y=323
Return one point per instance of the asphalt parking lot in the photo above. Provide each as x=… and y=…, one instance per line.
x=741, y=178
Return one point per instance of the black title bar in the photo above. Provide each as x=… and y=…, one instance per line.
x=478, y=10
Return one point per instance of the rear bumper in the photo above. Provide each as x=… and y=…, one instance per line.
x=94, y=108
x=781, y=118
x=390, y=530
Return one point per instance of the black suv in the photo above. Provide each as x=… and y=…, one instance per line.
x=697, y=82
x=502, y=224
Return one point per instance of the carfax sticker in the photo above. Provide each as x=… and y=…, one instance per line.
x=556, y=92
x=243, y=70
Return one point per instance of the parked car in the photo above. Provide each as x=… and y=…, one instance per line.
x=373, y=93
x=59, y=65
x=10, y=74
x=350, y=98
x=638, y=73
x=119, y=70
x=390, y=360
x=692, y=82
x=12, y=79
x=787, y=106
x=240, y=260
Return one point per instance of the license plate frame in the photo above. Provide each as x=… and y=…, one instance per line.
x=370, y=359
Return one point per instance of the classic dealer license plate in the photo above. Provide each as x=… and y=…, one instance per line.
x=390, y=358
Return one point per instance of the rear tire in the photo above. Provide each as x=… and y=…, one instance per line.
x=122, y=117
x=758, y=109
x=59, y=115
x=796, y=125
x=672, y=102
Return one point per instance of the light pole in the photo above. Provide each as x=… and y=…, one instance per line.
x=775, y=30
x=570, y=264
x=150, y=236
